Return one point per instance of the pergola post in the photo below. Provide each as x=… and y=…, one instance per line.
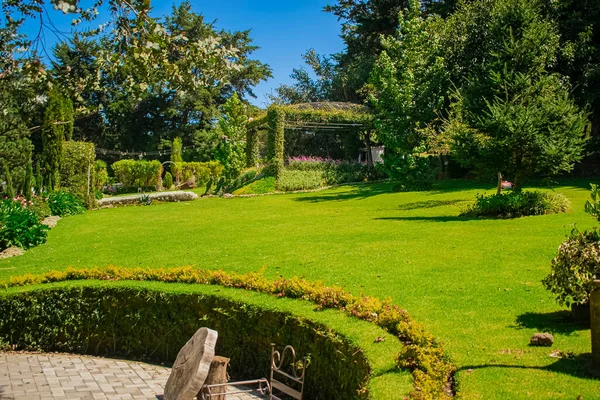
x=276, y=139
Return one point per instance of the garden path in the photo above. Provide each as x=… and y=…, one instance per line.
x=29, y=376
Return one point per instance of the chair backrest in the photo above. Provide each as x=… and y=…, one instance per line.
x=286, y=368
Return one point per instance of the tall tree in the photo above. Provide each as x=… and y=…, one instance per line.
x=512, y=114
x=56, y=123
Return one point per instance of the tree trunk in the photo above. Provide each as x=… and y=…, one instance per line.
x=218, y=375
x=499, y=189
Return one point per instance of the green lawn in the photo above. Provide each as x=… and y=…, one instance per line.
x=475, y=284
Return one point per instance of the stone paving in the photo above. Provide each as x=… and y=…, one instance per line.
x=28, y=376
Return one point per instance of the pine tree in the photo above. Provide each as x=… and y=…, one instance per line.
x=10, y=190
x=28, y=179
x=39, y=178
x=54, y=130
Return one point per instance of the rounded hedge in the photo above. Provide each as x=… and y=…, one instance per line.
x=152, y=321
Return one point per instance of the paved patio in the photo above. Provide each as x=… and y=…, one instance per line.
x=28, y=376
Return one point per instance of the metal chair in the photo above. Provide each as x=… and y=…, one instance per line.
x=294, y=377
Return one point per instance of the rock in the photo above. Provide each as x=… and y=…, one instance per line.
x=51, y=221
x=228, y=196
x=542, y=339
x=191, y=366
x=12, y=252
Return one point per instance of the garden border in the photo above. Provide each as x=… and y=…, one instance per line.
x=421, y=353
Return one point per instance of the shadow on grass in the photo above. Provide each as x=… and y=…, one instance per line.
x=357, y=193
x=441, y=218
x=579, y=366
x=429, y=204
x=555, y=322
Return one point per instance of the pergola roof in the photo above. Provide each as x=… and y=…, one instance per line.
x=324, y=116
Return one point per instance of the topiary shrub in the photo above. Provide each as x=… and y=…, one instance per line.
x=100, y=176
x=77, y=170
x=64, y=204
x=168, y=181
x=517, y=204
x=574, y=268
x=19, y=226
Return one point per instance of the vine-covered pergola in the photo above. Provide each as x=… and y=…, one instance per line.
x=318, y=116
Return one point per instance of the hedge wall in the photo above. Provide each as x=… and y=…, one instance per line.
x=153, y=321
x=134, y=174
x=201, y=172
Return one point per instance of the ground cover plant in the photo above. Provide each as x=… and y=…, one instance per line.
x=475, y=284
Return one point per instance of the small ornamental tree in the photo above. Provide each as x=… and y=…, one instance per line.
x=10, y=190
x=511, y=115
x=28, y=181
x=176, y=159
x=231, y=128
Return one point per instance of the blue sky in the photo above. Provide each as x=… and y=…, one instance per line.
x=283, y=29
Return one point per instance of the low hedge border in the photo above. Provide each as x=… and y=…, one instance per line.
x=129, y=320
x=431, y=368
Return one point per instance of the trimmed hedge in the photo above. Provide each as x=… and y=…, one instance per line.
x=136, y=322
x=421, y=353
x=134, y=174
x=77, y=171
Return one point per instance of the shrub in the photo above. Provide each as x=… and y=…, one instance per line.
x=335, y=172
x=39, y=206
x=574, y=267
x=101, y=175
x=517, y=204
x=290, y=180
x=64, y=204
x=120, y=320
x=431, y=368
x=136, y=174
x=77, y=170
x=410, y=172
x=168, y=181
x=19, y=226
x=201, y=172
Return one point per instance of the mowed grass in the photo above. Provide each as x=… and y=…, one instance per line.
x=474, y=283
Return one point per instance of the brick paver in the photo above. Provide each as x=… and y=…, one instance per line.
x=26, y=376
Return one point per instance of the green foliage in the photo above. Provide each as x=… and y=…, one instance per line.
x=56, y=123
x=15, y=144
x=77, y=171
x=10, y=190
x=19, y=226
x=511, y=114
x=64, y=204
x=592, y=206
x=252, y=147
x=335, y=172
x=202, y=172
x=231, y=128
x=39, y=206
x=290, y=180
x=145, y=200
x=135, y=174
x=410, y=172
x=118, y=320
x=100, y=175
x=39, y=178
x=27, y=186
x=408, y=83
x=263, y=185
x=176, y=158
x=518, y=204
x=431, y=369
x=574, y=268
x=168, y=181
x=276, y=139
